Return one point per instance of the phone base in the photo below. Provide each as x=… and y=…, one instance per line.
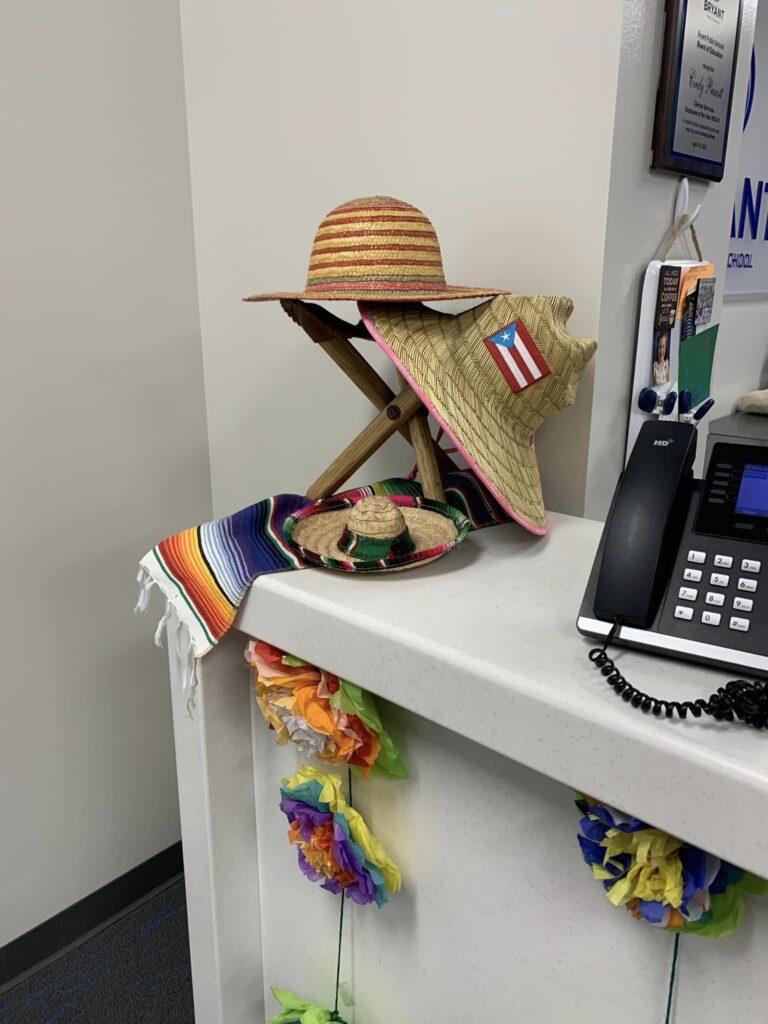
x=676, y=646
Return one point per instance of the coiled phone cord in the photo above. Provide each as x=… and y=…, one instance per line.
x=738, y=700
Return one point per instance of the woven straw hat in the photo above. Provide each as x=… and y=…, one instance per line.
x=377, y=249
x=491, y=376
x=375, y=534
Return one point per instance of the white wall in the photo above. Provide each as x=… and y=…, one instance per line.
x=640, y=206
x=496, y=119
x=103, y=438
x=744, y=322
x=745, y=318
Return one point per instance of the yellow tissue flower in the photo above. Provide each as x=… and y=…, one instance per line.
x=657, y=872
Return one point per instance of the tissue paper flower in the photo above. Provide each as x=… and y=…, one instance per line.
x=323, y=715
x=335, y=846
x=661, y=879
x=299, y=1011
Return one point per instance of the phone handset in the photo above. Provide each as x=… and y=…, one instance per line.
x=646, y=523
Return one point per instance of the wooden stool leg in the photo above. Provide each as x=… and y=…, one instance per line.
x=333, y=335
x=421, y=439
x=390, y=419
x=359, y=371
x=375, y=389
x=426, y=450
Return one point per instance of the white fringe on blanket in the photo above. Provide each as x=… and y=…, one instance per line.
x=146, y=583
x=176, y=629
x=151, y=574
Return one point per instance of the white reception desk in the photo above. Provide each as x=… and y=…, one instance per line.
x=499, y=716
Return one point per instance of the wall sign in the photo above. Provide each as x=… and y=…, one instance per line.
x=748, y=256
x=693, y=105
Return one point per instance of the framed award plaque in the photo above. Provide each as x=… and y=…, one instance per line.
x=693, y=104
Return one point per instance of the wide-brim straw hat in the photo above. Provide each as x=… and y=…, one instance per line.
x=378, y=249
x=375, y=534
x=491, y=376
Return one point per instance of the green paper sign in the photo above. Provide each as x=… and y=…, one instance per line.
x=697, y=354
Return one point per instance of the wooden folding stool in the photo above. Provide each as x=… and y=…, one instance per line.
x=403, y=412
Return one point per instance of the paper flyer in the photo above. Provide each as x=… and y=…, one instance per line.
x=690, y=277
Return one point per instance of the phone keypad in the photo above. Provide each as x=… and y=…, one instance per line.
x=731, y=593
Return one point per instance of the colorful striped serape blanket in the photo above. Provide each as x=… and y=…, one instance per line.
x=205, y=572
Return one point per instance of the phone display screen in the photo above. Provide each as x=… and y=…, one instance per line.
x=752, y=499
x=734, y=501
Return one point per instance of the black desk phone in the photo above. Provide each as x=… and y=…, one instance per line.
x=682, y=566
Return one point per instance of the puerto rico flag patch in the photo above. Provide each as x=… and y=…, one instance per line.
x=515, y=353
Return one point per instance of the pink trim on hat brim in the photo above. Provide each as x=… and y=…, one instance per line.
x=540, y=531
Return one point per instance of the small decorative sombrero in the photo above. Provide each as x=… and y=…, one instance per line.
x=375, y=534
x=491, y=376
x=377, y=249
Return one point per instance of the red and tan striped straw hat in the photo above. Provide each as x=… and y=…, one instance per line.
x=377, y=249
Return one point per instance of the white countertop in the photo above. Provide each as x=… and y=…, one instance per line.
x=484, y=643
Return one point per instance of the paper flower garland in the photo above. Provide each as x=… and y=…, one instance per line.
x=660, y=879
x=335, y=845
x=299, y=1011
x=323, y=715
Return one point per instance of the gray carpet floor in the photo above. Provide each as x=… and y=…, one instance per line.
x=136, y=971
